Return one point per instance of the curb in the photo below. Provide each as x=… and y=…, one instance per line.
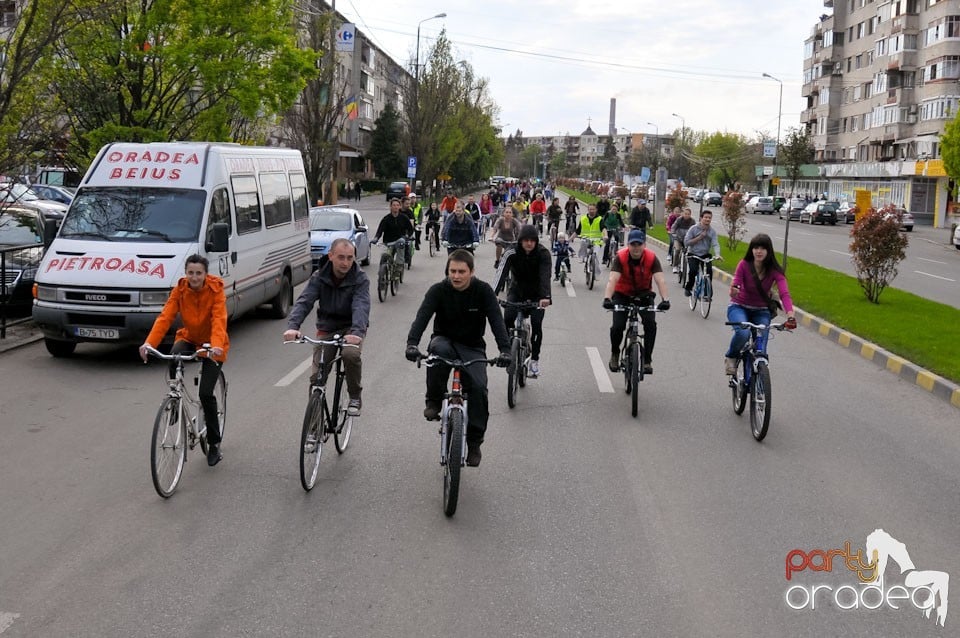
x=20, y=334
x=933, y=383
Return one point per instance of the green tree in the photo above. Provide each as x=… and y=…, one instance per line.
x=529, y=158
x=725, y=154
x=385, y=152
x=795, y=151
x=178, y=70
x=950, y=150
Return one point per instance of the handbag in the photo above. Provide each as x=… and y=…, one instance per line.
x=773, y=305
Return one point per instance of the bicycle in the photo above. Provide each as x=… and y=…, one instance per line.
x=390, y=274
x=753, y=377
x=432, y=239
x=679, y=262
x=590, y=263
x=612, y=248
x=452, y=247
x=319, y=421
x=520, y=348
x=553, y=227
x=177, y=426
x=702, y=292
x=631, y=359
x=564, y=270
x=453, y=428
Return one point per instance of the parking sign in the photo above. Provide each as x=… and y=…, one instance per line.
x=411, y=166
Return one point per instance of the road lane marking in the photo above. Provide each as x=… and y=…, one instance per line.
x=920, y=272
x=6, y=619
x=294, y=374
x=599, y=370
x=570, y=291
x=932, y=261
x=840, y=252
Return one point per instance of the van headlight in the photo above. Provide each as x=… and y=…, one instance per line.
x=154, y=297
x=46, y=293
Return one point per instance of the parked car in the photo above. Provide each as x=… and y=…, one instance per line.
x=20, y=195
x=820, y=213
x=396, y=189
x=906, y=219
x=760, y=205
x=793, y=208
x=59, y=194
x=846, y=212
x=712, y=198
x=778, y=203
x=750, y=195
x=696, y=194
x=956, y=237
x=20, y=226
x=328, y=223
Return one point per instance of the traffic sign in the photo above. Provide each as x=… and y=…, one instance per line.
x=411, y=167
x=345, y=37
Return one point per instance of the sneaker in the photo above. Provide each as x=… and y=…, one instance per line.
x=648, y=368
x=614, y=363
x=353, y=408
x=213, y=454
x=432, y=411
x=473, y=454
x=687, y=293
x=533, y=370
x=729, y=365
x=310, y=444
x=675, y=270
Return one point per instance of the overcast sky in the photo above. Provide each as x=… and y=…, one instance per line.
x=552, y=64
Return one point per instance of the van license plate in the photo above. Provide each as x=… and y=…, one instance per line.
x=98, y=333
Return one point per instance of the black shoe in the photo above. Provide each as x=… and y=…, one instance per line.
x=648, y=368
x=614, y=362
x=473, y=454
x=432, y=411
x=213, y=454
x=687, y=293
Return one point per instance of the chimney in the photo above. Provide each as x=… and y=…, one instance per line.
x=613, y=116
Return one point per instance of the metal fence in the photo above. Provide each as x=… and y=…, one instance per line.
x=18, y=267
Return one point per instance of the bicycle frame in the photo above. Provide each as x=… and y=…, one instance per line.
x=178, y=389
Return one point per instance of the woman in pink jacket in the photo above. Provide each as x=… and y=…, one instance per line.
x=750, y=289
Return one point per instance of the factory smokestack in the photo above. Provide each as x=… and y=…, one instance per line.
x=613, y=116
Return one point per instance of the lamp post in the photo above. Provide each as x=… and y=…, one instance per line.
x=776, y=151
x=416, y=93
x=683, y=133
x=656, y=179
x=416, y=70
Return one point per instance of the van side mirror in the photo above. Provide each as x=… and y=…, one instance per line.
x=218, y=239
x=49, y=232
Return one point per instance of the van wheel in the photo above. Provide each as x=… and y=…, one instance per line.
x=280, y=305
x=60, y=348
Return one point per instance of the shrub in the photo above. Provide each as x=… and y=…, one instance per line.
x=877, y=247
x=676, y=197
x=734, y=218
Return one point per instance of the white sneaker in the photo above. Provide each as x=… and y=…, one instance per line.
x=675, y=270
x=534, y=369
x=730, y=365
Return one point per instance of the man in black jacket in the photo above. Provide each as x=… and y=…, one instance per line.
x=462, y=306
x=394, y=226
x=530, y=265
x=640, y=216
x=342, y=294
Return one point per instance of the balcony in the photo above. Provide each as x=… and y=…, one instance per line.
x=906, y=22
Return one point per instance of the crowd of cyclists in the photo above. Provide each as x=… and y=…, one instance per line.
x=462, y=305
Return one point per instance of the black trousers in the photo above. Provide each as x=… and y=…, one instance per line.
x=619, y=325
x=693, y=267
x=536, y=324
x=473, y=379
x=209, y=373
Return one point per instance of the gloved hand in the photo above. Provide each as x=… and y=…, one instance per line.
x=790, y=323
x=503, y=360
x=412, y=353
x=664, y=305
x=607, y=303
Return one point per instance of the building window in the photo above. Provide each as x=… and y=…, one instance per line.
x=939, y=108
x=807, y=50
x=944, y=28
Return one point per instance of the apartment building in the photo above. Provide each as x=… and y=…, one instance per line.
x=881, y=83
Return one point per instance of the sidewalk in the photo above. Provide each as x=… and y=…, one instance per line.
x=19, y=335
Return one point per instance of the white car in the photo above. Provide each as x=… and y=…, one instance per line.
x=956, y=237
x=760, y=204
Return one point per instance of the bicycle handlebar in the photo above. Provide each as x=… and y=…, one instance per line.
x=522, y=305
x=338, y=340
x=193, y=356
x=639, y=308
x=433, y=359
x=705, y=260
x=447, y=244
x=759, y=326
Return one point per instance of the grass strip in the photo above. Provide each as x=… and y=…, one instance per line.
x=907, y=325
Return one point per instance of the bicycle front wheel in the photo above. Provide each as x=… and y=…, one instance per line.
x=311, y=441
x=591, y=271
x=694, y=295
x=341, y=434
x=738, y=387
x=760, y=402
x=433, y=249
x=383, y=278
x=395, y=278
x=636, y=372
x=706, y=298
x=451, y=471
x=513, y=372
x=168, y=449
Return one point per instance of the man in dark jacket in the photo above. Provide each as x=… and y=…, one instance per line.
x=529, y=264
x=342, y=294
x=461, y=305
x=460, y=230
x=640, y=216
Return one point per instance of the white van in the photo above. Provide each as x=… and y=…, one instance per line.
x=142, y=209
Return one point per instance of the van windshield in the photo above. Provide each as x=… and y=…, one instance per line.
x=125, y=214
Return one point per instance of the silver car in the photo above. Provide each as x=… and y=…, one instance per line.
x=328, y=223
x=760, y=204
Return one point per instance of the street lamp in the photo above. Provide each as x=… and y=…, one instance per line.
x=776, y=151
x=416, y=71
x=683, y=127
x=416, y=96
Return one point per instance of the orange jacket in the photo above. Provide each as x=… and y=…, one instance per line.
x=203, y=313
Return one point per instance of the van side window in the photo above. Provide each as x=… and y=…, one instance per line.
x=301, y=203
x=246, y=201
x=219, y=212
x=276, y=198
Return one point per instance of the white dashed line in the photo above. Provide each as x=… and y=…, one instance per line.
x=920, y=272
x=294, y=374
x=569, y=286
x=932, y=261
x=599, y=370
x=840, y=252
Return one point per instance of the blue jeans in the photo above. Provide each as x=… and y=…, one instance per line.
x=736, y=312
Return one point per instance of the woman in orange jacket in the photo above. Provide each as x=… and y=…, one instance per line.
x=202, y=305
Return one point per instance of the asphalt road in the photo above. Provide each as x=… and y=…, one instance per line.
x=581, y=521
